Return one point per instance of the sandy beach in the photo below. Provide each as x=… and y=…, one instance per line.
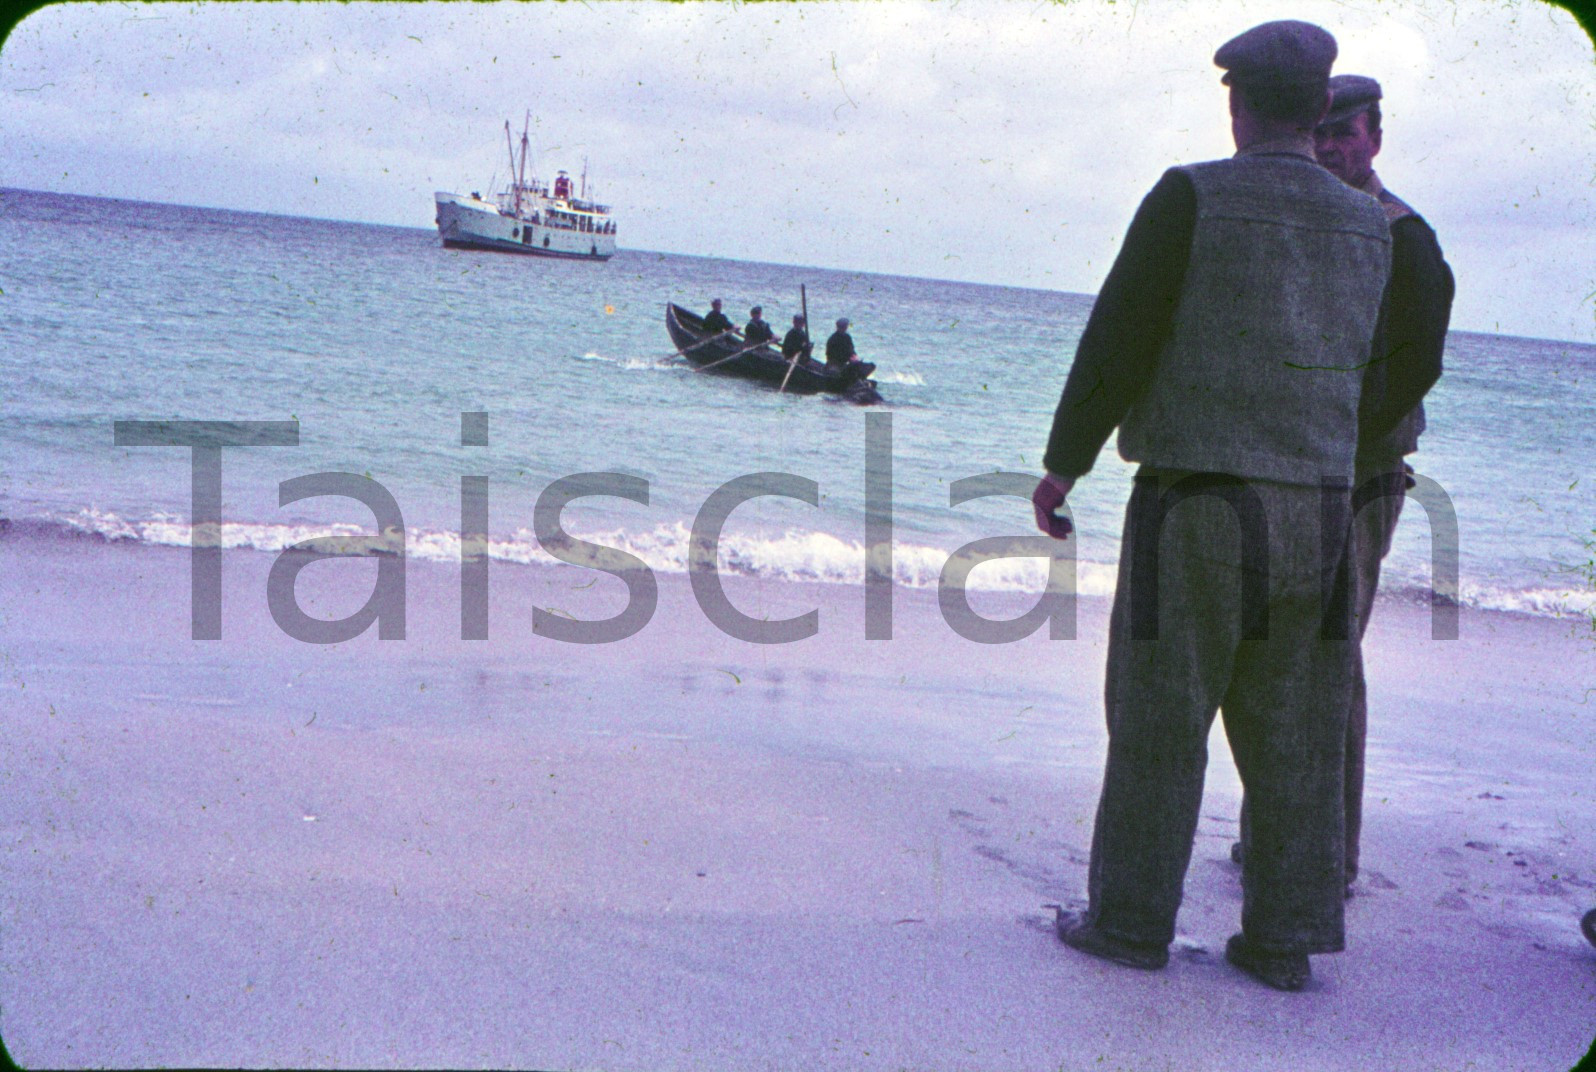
x=683, y=851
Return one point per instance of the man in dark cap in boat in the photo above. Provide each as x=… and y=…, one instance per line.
x=757, y=330
x=716, y=322
x=796, y=343
x=839, y=347
x=1227, y=345
x=841, y=355
x=1418, y=308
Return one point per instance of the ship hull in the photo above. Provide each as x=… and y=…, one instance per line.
x=467, y=223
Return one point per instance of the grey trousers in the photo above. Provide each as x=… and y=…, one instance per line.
x=1227, y=601
x=1380, y=489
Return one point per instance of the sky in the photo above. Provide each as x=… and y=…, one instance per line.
x=990, y=141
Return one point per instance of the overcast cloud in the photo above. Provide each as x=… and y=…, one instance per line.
x=982, y=140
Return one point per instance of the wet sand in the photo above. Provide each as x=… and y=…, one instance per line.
x=683, y=851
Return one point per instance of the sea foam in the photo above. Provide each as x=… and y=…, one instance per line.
x=787, y=555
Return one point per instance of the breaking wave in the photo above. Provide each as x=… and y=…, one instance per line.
x=790, y=555
x=1548, y=602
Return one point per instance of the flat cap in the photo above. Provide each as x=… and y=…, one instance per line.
x=1278, y=54
x=1351, y=94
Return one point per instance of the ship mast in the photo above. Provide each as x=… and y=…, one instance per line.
x=517, y=172
x=521, y=179
x=516, y=186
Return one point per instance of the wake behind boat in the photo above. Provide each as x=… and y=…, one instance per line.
x=528, y=216
x=728, y=355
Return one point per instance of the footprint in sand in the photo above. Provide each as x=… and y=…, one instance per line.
x=971, y=823
x=1375, y=880
x=1032, y=921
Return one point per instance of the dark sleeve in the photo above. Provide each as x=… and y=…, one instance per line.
x=1130, y=322
x=1412, y=336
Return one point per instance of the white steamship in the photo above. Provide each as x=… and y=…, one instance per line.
x=529, y=216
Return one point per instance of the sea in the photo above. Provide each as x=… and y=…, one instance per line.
x=376, y=340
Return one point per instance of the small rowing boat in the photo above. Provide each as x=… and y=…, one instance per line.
x=727, y=354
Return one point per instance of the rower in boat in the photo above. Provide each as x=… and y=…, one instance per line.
x=716, y=322
x=797, y=343
x=841, y=355
x=757, y=331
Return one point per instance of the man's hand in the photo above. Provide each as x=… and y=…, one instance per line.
x=1047, y=498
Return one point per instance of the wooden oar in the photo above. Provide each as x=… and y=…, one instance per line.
x=728, y=357
x=701, y=342
x=792, y=363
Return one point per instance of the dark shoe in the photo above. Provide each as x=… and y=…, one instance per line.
x=1283, y=971
x=1080, y=935
x=1237, y=853
x=1588, y=925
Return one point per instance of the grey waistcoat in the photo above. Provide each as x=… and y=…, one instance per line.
x=1261, y=374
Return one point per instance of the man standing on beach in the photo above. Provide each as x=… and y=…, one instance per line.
x=1418, y=308
x=1228, y=345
